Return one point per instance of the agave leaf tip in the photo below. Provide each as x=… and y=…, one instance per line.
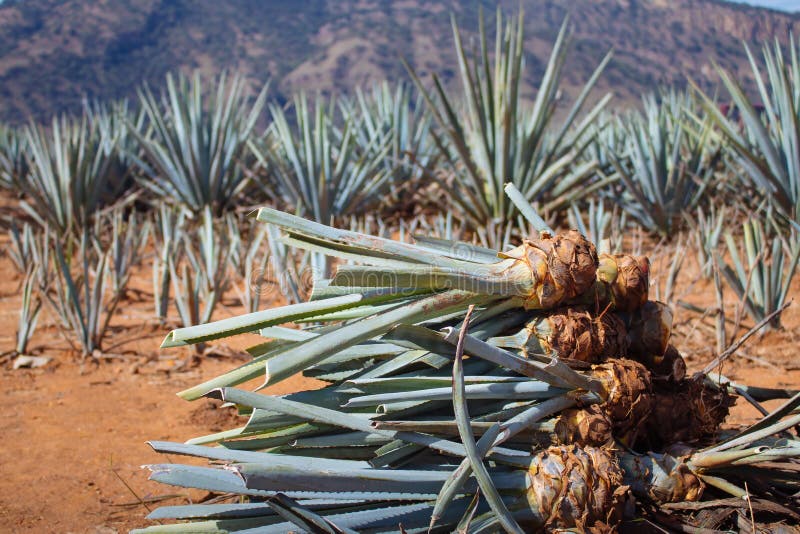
x=170, y=341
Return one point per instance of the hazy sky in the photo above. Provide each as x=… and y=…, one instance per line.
x=785, y=5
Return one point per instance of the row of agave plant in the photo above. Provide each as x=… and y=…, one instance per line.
x=179, y=163
x=474, y=390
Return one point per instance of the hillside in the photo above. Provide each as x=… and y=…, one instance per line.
x=55, y=52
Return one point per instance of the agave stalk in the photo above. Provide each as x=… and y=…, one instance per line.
x=197, y=145
x=761, y=274
x=592, y=481
x=410, y=431
x=520, y=273
x=499, y=138
x=461, y=410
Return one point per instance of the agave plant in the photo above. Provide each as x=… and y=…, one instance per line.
x=764, y=264
x=493, y=137
x=74, y=172
x=386, y=113
x=765, y=142
x=85, y=284
x=118, y=126
x=199, y=282
x=21, y=246
x=325, y=171
x=249, y=259
x=707, y=232
x=197, y=145
x=168, y=235
x=13, y=164
x=28, y=313
x=322, y=170
x=666, y=167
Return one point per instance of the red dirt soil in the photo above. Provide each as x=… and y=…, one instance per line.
x=73, y=434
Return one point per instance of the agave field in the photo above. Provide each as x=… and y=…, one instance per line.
x=518, y=313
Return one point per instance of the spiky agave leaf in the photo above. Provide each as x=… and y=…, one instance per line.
x=325, y=170
x=13, y=164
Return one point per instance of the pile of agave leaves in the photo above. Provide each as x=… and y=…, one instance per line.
x=476, y=391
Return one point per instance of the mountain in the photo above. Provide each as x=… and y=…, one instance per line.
x=55, y=53
x=791, y=6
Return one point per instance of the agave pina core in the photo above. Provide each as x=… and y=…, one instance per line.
x=622, y=282
x=559, y=268
x=649, y=329
x=589, y=426
x=574, y=487
x=688, y=411
x=628, y=399
x=570, y=333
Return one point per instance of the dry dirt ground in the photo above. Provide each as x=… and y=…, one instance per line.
x=74, y=432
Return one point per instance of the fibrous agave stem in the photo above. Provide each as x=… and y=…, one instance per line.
x=588, y=426
x=669, y=368
x=688, y=411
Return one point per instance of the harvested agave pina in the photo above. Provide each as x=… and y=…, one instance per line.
x=559, y=267
x=690, y=411
x=662, y=478
x=622, y=283
x=628, y=396
x=588, y=426
x=670, y=368
x=649, y=329
x=543, y=272
x=570, y=333
x=573, y=487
